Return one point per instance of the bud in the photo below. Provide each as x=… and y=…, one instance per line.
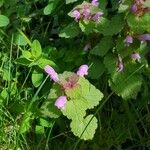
x=128, y=40
x=95, y=2
x=60, y=102
x=52, y=73
x=83, y=70
x=136, y=56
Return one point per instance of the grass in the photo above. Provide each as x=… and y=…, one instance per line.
x=122, y=124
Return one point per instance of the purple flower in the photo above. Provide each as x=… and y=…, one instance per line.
x=144, y=37
x=76, y=14
x=136, y=56
x=87, y=13
x=87, y=47
x=120, y=67
x=51, y=72
x=95, y=2
x=97, y=16
x=134, y=8
x=128, y=40
x=60, y=102
x=83, y=70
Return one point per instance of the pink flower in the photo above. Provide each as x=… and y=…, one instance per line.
x=97, y=16
x=134, y=8
x=144, y=37
x=83, y=70
x=128, y=40
x=95, y=2
x=76, y=14
x=136, y=56
x=87, y=13
x=51, y=72
x=60, y=102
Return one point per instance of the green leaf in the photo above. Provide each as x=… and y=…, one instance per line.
x=70, y=31
x=75, y=108
x=49, y=8
x=42, y=62
x=123, y=8
x=126, y=84
x=1, y=2
x=39, y=129
x=3, y=95
x=20, y=40
x=110, y=62
x=103, y=46
x=102, y=25
x=26, y=124
x=23, y=61
x=103, y=4
x=87, y=26
x=45, y=123
x=89, y=93
x=27, y=55
x=4, y=21
x=48, y=109
x=70, y=1
x=79, y=125
x=36, y=50
x=139, y=24
x=114, y=26
x=96, y=70
x=37, y=78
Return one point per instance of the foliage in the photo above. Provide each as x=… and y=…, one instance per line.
x=109, y=107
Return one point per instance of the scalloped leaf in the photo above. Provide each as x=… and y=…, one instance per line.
x=96, y=70
x=85, y=126
x=139, y=24
x=70, y=31
x=110, y=62
x=127, y=84
x=89, y=93
x=114, y=26
x=75, y=108
x=103, y=46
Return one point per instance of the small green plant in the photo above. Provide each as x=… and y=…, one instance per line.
x=46, y=103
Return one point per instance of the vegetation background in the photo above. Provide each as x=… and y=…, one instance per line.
x=35, y=33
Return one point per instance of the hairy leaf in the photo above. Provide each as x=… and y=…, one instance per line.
x=81, y=125
x=103, y=46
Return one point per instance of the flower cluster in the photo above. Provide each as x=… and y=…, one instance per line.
x=138, y=8
x=84, y=12
x=62, y=100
